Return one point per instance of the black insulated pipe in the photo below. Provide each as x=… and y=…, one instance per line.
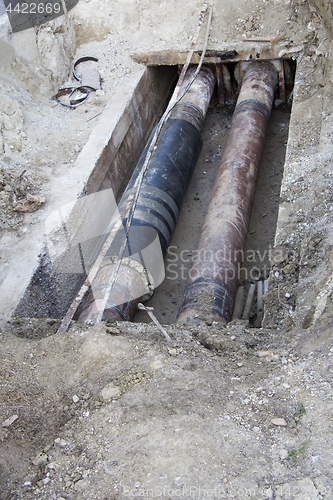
x=158, y=206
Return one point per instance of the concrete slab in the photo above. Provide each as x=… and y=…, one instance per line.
x=106, y=161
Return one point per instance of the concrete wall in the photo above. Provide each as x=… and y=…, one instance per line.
x=106, y=162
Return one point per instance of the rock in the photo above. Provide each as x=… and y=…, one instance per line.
x=75, y=398
x=289, y=269
x=60, y=442
x=283, y=454
x=46, y=480
x=109, y=392
x=47, y=447
x=81, y=483
x=40, y=460
x=52, y=465
x=113, y=330
x=256, y=429
x=279, y=422
x=30, y=204
x=111, y=468
x=268, y=355
x=213, y=341
x=9, y=421
x=173, y=352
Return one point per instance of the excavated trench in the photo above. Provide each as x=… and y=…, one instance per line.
x=52, y=290
x=256, y=266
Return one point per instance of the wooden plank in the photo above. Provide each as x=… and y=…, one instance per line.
x=244, y=51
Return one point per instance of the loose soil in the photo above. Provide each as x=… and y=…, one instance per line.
x=114, y=410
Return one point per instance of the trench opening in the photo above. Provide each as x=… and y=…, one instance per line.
x=50, y=293
x=255, y=268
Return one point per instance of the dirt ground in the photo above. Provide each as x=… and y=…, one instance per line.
x=116, y=411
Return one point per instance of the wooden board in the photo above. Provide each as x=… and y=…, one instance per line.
x=247, y=50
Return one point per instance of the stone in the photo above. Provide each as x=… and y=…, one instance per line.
x=279, y=422
x=81, y=483
x=9, y=421
x=29, y=204
x=40, y=460
x=52, y=465
x=173, y=352
x=283, y=454
x=75, y=398
x=109, y=392
x=61, y=442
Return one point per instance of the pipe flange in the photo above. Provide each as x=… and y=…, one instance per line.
x=84, y=92
x=70, y=91
x=61, y=93
x=79, y=61
x=138, y=267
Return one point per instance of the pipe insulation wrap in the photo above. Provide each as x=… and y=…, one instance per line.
x=157, y=209
x=213, y=279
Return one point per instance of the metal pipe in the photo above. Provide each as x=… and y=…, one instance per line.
x=260, y=300
x=239, y=303
x=213, y=279
x=158, y=206
x=249, y=301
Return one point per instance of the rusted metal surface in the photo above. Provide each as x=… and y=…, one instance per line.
x=193, y=106
x=213, y=279
x=158, y=205
x=282, y=83
x=129, y=286
x=220, y=84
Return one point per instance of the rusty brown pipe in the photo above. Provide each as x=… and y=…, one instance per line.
x=213, y=279
x=158, y=205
